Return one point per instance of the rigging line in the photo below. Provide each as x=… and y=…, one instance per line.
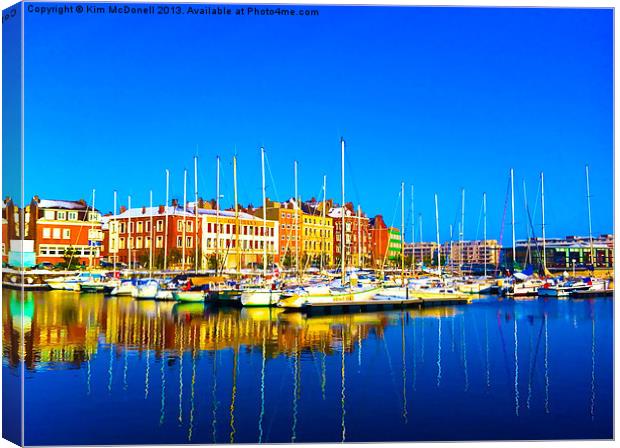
x=391, y=225
x=501, y=232
x=273, y=182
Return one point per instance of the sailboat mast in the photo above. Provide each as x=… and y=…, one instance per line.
x=196, y=214
x=217, y=214
x=237, y=249
x=484, y=230
x=184, y=222
x=451, y=252
x=296, y=211
x=115, y=233
x=412, y=234
x=592, y=257
x=359, y=236
x=421, y=238
x=527, y=223
x=402, y=236
x=92, y=247
x=437, y=229
x=462, y=236
x=544, y=240
x=166, y=226
x=342, y=233
x=323, y=223
x=129, y=232
x=512, y=195
x=151, y=233
x=262, y=160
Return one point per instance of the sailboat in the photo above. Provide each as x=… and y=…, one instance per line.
x=223, y=293
x=267, y=295
x=188, y=293
x=343, y=290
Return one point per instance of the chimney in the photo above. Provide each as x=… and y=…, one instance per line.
x=123, y=209
x=175, y=203
x=143, y=210
x=36, y=198
x=161, y=209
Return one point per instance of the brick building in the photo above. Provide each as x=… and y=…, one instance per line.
x=357, y=240
x=129, y=235
x=63, y=230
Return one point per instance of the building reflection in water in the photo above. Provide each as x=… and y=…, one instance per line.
x=64, y=330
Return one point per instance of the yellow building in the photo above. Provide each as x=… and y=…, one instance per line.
x=316, y=233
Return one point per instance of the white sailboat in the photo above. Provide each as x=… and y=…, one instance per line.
x=343, y=290
x=267, y=295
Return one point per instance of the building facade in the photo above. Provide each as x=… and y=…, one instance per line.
x=128, y=237
x=227, y=248
x=64, y=231
x=356, y=234
x=385, y=243
x=565, y=253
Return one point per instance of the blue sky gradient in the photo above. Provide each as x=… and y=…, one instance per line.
x=442, y=98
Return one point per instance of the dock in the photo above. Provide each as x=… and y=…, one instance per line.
x=380, y=304
x=591, y=294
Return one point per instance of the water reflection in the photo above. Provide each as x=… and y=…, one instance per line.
x=192, y=373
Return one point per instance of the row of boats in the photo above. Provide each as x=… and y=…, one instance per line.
x=324, y=289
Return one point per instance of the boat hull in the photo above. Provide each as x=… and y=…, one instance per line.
x=335, y=295
x=188, y=296
x=260, y=297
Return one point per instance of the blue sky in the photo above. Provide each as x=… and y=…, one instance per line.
x=444, y=98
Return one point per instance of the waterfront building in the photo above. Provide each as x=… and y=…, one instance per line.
x=385, y=243
x=357, y=240
x=253, y=236
x=61, y=231
x=468, y=253
x=10, y=229
x=317, y=232
x=289, y=218
x=128, y=236
x=423, y=252
x=565, y=253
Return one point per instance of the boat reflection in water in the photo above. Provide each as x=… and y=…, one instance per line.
x=117, y=370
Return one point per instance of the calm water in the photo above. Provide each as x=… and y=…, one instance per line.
x=115, y=370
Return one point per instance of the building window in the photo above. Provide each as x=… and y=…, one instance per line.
x=56, y=234
x=140, y=227
x=147, y=226
x=130, y=240
x=147, y=242
x=131, y=227
x=121, y=243
x=66, y=234
x=179, y=241
x=179, y=226
x=139, y=242
x=122, y=227
x=61, y=216
x=188, y=241
x=160, y=225
x=73, y=216
x=190, y=226
x=159, y=242
x=47, y=214
x=47, y=232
